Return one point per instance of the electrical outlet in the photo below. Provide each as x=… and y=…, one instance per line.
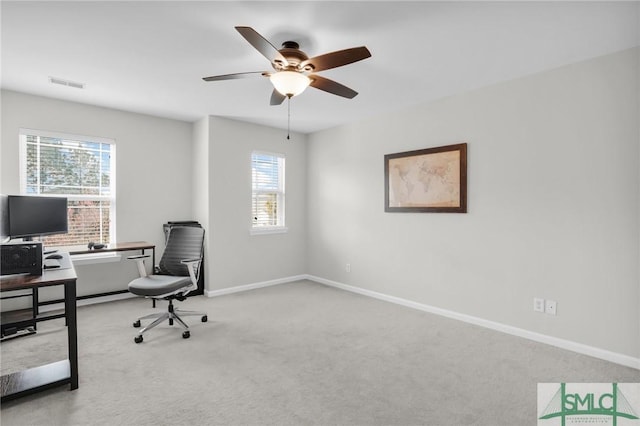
x=550, y=307
x=538, y=304
x=348, y=267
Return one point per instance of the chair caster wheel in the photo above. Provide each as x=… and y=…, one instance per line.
x=205, y=319
x=136, y=324
x=186, y=335
x=137, y=339
x=170, y=321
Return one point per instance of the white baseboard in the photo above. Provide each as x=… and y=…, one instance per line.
x=580, y=348
x=230, y=290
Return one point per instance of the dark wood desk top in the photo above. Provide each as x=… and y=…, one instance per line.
x=134, y=245
x=48, y=277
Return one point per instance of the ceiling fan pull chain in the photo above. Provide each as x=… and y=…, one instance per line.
x=288, y=116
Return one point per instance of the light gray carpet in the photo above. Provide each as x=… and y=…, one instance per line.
x=293, y=354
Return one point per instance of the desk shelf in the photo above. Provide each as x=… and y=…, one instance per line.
x=20, y=322
x=17, y=316
x=21, y=316
x=35, y=379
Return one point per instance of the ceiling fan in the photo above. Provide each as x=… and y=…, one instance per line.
x=294, y=70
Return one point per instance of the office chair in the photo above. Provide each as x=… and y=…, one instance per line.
x=176, y=276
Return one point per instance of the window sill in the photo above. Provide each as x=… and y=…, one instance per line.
x=269, y=230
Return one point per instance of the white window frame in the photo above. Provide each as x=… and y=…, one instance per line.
x=281, y=227
x=73, y=137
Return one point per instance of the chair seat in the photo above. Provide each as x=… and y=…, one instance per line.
x=156, y=285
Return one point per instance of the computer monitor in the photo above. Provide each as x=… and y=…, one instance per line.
x=31, y=216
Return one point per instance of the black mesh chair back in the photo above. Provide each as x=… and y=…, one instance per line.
x=184, y=242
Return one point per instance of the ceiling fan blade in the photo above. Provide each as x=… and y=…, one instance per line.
x=331, y=86
x=277, y=98
x=234, y=76
x=336, y=59
x=262, y=45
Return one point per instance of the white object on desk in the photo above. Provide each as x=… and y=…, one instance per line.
x=98, y=257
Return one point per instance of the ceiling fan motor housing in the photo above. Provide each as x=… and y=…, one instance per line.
x=291, y=51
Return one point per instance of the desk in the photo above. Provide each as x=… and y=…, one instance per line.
x=128, y=246
x=58, y=373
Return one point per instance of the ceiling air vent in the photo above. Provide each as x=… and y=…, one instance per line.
x=62, y=82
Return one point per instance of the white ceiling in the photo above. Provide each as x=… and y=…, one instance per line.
x=150, y=57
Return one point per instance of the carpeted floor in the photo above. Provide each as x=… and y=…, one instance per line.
x=293, y=354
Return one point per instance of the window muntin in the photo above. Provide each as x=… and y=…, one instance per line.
x=80, y=168
x=268, y=194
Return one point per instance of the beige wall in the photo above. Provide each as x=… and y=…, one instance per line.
x=553, y=205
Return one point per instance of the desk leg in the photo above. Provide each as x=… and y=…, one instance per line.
x=154, y=268
x=35, y=308
x=72, y=330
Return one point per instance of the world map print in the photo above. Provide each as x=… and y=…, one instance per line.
x=430, y=180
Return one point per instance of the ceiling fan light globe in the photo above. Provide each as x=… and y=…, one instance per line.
x=289, y=83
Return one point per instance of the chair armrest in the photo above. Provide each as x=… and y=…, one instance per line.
x=191, y=265
x=139, y=259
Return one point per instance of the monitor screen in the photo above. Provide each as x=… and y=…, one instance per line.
x=34, y=215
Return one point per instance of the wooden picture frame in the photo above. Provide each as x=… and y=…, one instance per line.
x=427, y=180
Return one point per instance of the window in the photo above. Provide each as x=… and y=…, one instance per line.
x=267, y=171
x=80, y=168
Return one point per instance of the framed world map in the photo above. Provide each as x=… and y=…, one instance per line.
x=427, y=180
